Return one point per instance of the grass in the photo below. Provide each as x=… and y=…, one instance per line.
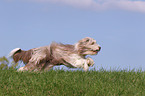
x=72, y=83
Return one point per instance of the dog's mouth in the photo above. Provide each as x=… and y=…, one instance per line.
x=97, y=50
x=91, y=51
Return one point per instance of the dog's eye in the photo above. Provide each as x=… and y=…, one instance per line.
x=87, y=40
x=92, y=43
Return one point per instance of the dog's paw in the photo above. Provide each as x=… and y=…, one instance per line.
x=22, y=69
x=90, y=61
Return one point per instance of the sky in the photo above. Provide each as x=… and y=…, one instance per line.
x=118, y=26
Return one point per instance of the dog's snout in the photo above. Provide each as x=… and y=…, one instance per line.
x=99, y=48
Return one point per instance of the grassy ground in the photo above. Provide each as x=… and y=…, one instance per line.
x=68, y=83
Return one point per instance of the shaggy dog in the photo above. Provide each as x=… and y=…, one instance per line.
x=44, y=58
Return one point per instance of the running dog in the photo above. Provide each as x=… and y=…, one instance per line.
x=44, y=58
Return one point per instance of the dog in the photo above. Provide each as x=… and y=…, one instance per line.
x=44, y=58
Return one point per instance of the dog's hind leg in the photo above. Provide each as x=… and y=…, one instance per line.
x=48, y=66
x=29, y=67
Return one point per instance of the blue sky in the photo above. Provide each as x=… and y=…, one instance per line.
x=117, y=25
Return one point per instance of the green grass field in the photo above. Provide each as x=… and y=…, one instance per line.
x=72, y=83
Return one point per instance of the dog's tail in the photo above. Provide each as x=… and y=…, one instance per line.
x=17, y=54
x=14, y=51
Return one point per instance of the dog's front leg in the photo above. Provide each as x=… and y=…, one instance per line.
x=85, y=67
x=90, y=61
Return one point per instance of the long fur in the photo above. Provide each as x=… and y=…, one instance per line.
x=44, y=58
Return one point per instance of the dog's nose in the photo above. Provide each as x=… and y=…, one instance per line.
x=99, y=48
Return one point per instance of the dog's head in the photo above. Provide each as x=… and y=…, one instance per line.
x=88, y=46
